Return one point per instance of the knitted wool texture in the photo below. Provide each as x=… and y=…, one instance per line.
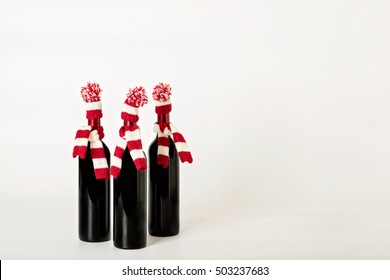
x=130, y=136
x=91, y=96
x=161, y=95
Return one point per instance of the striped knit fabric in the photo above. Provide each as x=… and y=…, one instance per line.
x=91, y=96
x=94, y=110
x=84, y=135
x=130, y=136
x=163, y=131
x=161, y=95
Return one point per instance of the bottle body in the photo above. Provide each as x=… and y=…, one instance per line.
x=94, y=201
x=130, y=206
x=164, y=193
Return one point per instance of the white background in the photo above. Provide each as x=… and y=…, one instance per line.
x=285, y=105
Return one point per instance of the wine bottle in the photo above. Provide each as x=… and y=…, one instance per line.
x=93, y=171
x=130, y=206
x=94, y=199
x=164, y=154
x=128, y=169
x=164, y=208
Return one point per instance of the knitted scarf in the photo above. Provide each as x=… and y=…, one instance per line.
x=163, y=131
x=84, y=135
x=130, y=137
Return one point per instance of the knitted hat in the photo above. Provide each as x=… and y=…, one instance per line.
x=91, y=96
x=135, y=98
x=161, y=94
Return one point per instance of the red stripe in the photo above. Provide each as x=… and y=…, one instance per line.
x=98, y=153
x=80, y=151
x=177, y=137
x=82, y=133
x=102, y=173
x=115, y=171
x=129, y=117
x=164, y=125
x=134, y=144
x=132, y=128
x=100, y=131
x=164, y=109
x=122, y=131
x=118, y=152
x=75, y=151
x=163, y=141
x=94, y=114
x=140, y=164
x=163, y=160
x=185, y=156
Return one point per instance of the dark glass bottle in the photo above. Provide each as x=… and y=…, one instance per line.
x=130, y=206
x=94, y=199
x=163, y=193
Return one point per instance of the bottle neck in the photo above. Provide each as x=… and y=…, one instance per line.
x=163, y=118
x=94, y=123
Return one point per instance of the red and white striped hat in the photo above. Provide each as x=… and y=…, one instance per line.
x=135, y=98
x=91, y=96
x=161, y=95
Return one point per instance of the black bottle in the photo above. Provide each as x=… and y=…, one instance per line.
x=130, y=206
x=94, y=198
x=164, y=191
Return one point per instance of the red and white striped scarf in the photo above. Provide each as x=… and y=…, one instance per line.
x=130, y=137
x=84, y=135
x=163, y=131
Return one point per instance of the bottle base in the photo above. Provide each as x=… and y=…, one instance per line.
x=129, y=247
x=163, y=234
x=94, y=240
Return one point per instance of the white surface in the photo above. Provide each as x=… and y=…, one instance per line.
x=285, y=105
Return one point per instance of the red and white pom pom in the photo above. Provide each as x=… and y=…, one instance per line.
x=161, y=92
x=91, y=92
x=137, y=97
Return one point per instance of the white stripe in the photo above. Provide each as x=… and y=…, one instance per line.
x=156, y=128
x=163, y=150
x=86, y=127
x=132, y=135
x=81, y=142
x=130, y=109
x=115, y=161
x=96, y=144
x=122, y=143
x=135, y=154
x=93, y=136
x=99, y=163
x=162, y=103
x=93, y=105
x=182, y=147
x=173, y=128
